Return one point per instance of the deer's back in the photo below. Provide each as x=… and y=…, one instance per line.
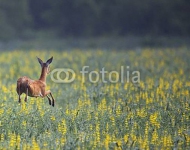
x=36, y=88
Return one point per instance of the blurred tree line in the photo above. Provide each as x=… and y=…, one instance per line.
x=95, y=17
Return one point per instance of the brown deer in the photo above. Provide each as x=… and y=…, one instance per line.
x=36, y=88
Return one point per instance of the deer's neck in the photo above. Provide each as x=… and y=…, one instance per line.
x=43, y=75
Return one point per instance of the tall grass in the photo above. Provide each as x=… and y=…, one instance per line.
x=152, y=114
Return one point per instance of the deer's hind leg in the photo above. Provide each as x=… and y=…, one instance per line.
x=19, y=98
x=26, y=97
x=19, y=93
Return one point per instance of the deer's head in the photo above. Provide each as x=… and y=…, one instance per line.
x=45, y=66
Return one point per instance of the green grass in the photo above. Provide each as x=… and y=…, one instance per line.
x=151, y=114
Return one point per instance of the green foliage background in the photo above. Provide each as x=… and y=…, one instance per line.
x=22, y=18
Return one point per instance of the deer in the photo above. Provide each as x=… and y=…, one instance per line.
x=36, y=88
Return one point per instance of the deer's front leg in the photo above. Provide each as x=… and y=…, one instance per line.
x=53, y=103
x=49, y=99
x=46, y=94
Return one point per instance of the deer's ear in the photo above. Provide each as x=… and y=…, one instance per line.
x=40, y=61
x=49, y=61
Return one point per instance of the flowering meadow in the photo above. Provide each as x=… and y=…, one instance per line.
x=153, y=113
